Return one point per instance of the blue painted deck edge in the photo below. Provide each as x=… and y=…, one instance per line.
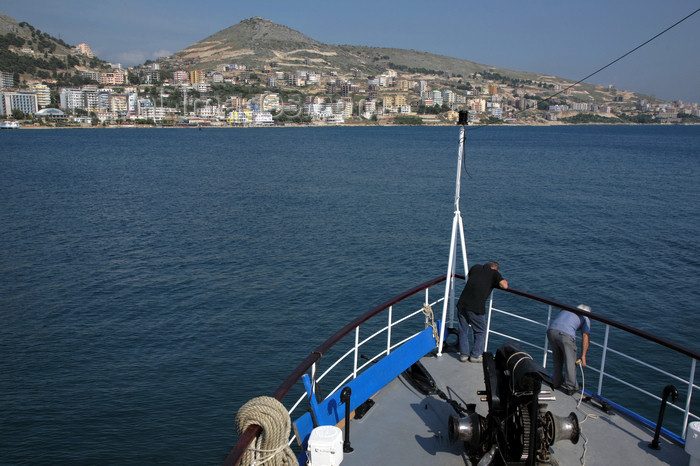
x=331, y=411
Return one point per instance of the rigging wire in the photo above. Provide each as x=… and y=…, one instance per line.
x=609, y=64
x=623, y=56
x=464, y=151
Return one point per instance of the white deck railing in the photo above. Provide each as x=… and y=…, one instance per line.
x=359, y=343
x=686, y=385
x=643, y=370
x=398, y=330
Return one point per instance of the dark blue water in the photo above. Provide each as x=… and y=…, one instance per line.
x=155, y=280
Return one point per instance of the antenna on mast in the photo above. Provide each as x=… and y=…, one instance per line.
x=457, y=226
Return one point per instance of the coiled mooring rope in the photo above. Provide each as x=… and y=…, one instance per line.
x=270, y=447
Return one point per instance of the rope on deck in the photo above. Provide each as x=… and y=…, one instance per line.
x=270, y=447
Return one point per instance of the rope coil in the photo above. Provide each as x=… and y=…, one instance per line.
x=270, y=447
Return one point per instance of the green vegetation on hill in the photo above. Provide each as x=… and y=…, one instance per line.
x=582, y=118
x=21, y=63
x=28, y=54
x=408, y=69
x=408, y=120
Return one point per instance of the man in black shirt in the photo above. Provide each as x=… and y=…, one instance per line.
x=471, y=306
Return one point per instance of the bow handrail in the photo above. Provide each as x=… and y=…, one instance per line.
x=253, y=431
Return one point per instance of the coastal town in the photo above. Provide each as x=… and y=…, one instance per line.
x=175, y=93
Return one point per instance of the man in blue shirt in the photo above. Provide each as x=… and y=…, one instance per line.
x=562, y=337
x=482, y=279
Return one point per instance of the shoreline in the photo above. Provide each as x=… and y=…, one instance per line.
x=504, y=125
x=43, y=127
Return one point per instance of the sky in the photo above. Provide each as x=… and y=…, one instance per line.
x=566, y=38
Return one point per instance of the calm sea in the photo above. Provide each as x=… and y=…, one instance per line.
x=154, y=280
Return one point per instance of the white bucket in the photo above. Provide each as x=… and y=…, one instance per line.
x=325, y=446
x=692, y=443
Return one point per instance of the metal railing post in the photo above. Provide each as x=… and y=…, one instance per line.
x=546, y=340
x=313, y=379
x=357, y=349
x=602, y=360
x=691, y=382
x=488, y=323
x=388, y=331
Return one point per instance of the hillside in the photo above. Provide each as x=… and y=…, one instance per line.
x=30, y=54
x=372, y=83
x=257, y=42
x=33, y=39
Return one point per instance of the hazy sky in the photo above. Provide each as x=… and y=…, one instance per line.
x=565, y=38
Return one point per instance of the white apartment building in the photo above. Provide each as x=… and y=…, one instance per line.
x=262, y=118
x=437, y=98
x=448, y=96
x=211, y=112
x=335, y=119
x=270, y=102
x=347, y=108
x=141, y=108
x=92, y=98
x=201, y=87
x=43, y=94
x=103, y=99
x=132, y=103
x=26, y=102
x=118, y=103
x=340, y=109
x=71, y=99
x=368, y=108
x=478, y=104
x=156, y=114
x=105, y=116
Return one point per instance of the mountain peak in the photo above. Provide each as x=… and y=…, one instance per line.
x=252, y=41
x=257, y=42
x=259, y=34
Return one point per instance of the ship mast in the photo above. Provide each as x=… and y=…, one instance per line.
x=457, y=225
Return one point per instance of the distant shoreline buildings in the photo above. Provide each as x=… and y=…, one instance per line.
x=222, y=97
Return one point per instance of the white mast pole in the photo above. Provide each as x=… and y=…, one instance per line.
x=457, y=225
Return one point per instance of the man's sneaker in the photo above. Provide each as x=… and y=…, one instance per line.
x=463, y=358
x=473, y=359
x=567, y=390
